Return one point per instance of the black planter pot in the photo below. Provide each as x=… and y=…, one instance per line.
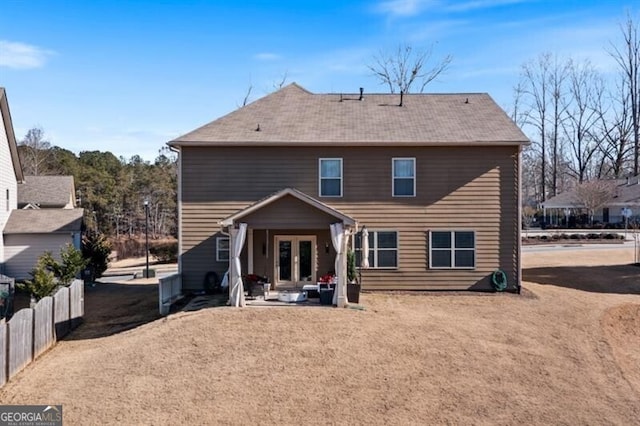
x=326, y=296
x=353, y=293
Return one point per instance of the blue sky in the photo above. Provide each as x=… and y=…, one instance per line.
x=128, y=76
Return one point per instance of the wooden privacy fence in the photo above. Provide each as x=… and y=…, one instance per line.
x=32, y=331
x=169, y=291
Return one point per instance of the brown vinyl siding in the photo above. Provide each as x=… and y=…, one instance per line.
x=457, y=188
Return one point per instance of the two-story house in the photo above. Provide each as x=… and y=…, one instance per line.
x=10, y=170
x=46, y=220
x=37, y=213
x=433, y=177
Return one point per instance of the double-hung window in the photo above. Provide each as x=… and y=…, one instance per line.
x=383, y=249
x=330, y=170
x=452, y=250
x=222, y=249
x=404, y=177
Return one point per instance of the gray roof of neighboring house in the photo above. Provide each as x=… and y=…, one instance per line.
x=295, y=115
x=44, y=221
x=46, y=191
x=11, y=137
x=627, y=194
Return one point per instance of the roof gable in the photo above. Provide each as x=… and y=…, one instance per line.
x=295, y=115
x=11, y=137
x=236, y=217
x=47, y=191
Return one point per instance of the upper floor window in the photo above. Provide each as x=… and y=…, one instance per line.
x=330, y=177
x=383, y=249
x=404, y=177
x=222, y=249
x=452, y=249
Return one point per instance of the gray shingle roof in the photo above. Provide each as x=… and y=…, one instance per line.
x=46, y=191
x=44, y=221
x=624, y=195
x=295, y=115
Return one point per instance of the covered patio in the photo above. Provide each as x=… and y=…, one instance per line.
x=290, y=240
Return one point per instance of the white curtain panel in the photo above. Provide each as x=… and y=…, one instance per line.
x=364, y=263
x=236, y=294
x=338, y=238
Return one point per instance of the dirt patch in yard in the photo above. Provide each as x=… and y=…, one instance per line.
x=112, y=308
x=556, y=358
x=623, y=279
x=622, y=328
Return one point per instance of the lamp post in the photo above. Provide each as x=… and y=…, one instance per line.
x=146, y=229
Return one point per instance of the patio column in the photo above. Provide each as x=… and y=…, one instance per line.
x=338, y=238
x=236, y=287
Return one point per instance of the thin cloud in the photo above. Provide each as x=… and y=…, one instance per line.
x=267, y=56
x=22, y=56
x=403, y=7
x=480, y=4
x=407, y=8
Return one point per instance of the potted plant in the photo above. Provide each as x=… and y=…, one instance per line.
x=353, y=286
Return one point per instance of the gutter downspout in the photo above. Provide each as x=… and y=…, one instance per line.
x=179, y=205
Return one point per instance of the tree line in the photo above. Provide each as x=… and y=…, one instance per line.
x=584, y=125
x=112, y=190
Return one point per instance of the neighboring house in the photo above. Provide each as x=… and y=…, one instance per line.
x=433, y=177
x=625, y=197
x=10, y=170
x=29, y=233
x=46, y=220
x=47, y=192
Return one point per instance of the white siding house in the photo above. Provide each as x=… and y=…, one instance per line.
x=46, y=221
x=10, y=170
x=29, y=233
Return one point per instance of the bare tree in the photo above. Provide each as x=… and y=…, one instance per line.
x=594, y=194
x=614, y=123
x=403, y=67
x=628, y=59
x=534, y=84
x=278, y=84
x=35, y=152
x=586, y=89
x=557, y=76
x=245, y=100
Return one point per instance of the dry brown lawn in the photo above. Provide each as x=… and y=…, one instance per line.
x=557, y=354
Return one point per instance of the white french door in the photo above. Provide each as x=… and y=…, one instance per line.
x=295, y=259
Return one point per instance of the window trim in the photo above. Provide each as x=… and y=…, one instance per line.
x=320, y=160
x=393, y=177
x=374, y=249
x=452, y=249
x=218, y=249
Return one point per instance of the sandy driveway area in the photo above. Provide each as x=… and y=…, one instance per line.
x=566, y=351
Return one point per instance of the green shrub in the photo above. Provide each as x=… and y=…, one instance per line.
x=42, y=283
x=96, y=250
x=72, y=262
x=165, y=252
x=351, y=265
